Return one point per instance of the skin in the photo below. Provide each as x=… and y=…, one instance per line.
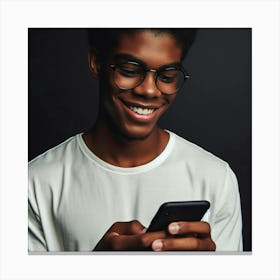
x=122, y=138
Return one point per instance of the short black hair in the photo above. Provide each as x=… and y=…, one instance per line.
x=103, y=40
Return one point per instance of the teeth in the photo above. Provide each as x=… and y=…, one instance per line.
x=141, y=111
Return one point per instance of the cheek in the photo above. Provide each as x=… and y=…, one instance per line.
x=111, y=105
x=108, y=91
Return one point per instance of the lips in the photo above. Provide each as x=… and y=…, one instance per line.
x=131, y=104
x=140, y=112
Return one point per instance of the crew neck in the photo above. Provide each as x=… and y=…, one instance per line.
x=127, y=170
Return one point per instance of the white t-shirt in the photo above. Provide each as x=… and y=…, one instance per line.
x=74, y=196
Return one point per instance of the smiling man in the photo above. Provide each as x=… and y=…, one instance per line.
x=100, y=189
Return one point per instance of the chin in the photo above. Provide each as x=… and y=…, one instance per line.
x=128, y=129
x=136, y=133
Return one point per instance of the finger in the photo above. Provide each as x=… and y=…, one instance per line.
x=134, y=242
x=132, y=227
x=189, y=228
x=184, y=244
x=105, y=243
x=135, y=227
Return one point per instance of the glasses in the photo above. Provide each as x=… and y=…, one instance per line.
x=130, y=75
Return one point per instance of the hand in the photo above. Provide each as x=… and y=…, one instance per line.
x=186, y=236
x=128, y=236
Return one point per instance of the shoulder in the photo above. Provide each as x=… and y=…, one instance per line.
x=53, y=160
x=194, y=154
x=213, y=175
x=205, y=168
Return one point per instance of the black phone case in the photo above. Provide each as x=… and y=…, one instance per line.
x=178, y=211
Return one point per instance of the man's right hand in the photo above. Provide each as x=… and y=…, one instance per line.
x=128, y=236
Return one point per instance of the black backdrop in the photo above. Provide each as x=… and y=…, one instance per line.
x=213, y=110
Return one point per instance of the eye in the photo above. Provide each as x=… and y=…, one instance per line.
x=129, y=71
x=169, y=76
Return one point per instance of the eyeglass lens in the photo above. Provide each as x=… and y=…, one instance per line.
x=128, y=76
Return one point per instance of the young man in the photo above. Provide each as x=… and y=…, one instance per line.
x=100, y=189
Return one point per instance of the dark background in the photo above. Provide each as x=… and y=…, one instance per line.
x=213, y=110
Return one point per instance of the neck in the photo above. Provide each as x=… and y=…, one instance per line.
x=116, y=149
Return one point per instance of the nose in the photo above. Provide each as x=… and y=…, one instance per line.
x=148, y=87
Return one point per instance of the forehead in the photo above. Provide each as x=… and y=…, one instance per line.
x=154, y=49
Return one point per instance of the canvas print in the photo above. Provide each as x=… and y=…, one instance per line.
x=139, y=140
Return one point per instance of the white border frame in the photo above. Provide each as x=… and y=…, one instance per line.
x=17, y=16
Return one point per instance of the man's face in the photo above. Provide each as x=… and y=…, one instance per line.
x=135, y=112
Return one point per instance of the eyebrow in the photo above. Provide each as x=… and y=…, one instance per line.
x=123, y=57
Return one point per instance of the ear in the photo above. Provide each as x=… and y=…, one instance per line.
x=94, y=66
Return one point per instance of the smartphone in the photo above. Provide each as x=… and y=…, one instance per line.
x=178, y=211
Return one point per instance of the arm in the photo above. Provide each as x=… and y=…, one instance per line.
x=43, y=232
x=227, y=225
x=36, y=239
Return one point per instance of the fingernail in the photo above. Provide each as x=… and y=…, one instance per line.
x=144, y=230
x=157, y=245
x=174, y=228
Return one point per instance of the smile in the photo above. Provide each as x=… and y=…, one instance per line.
x=141, y=111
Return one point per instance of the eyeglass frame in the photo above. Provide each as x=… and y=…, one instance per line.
x=145, y=70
